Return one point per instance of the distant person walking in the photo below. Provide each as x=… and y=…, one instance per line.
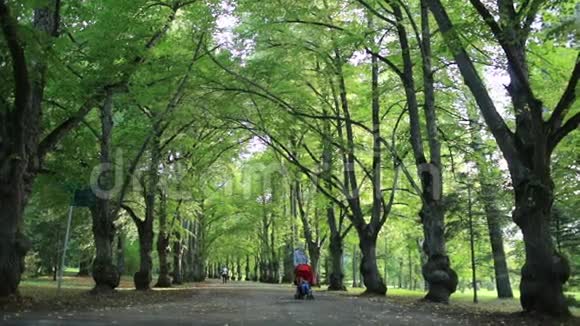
x=225, y=274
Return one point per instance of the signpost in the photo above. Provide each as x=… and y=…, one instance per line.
x=82, y=198
x=61, y=270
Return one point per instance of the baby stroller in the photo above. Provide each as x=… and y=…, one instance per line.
x=303, y=276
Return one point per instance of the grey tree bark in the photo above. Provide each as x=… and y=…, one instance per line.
x=120, y=252
x=21, y=150
x=164, y=279
x=437, y=271
x=493, y=214
x=247, y=269
x=177, y=261
x=105, y=273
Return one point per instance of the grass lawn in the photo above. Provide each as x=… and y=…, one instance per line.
x=69, y=282
x=41, y=294
x=488, y=300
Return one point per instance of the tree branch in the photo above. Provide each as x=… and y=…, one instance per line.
x=532, y=11
x=568, y=98
x=376, y=13
x=132, y=214
x=299, y=21
x=571, y=125
x=19, y=68
x=387, y=207
x=52, y=139
x=177, y=133
x=385, y=60
x=501, y=132
x=346, y=231
x=487, y=18
x=508, y=46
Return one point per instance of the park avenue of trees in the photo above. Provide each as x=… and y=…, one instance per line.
x=425, y=144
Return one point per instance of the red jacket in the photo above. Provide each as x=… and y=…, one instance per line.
x=304, y=271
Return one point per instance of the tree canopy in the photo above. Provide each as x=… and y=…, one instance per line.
x=426, y=144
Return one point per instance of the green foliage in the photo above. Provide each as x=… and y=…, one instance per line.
x=243, y=121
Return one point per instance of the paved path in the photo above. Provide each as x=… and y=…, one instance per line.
x=245, y=304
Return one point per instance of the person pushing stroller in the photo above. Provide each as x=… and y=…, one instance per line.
x=303, y=276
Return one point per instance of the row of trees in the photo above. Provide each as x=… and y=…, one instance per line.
x=370, y=111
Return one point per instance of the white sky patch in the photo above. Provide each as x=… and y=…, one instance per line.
x=225, y=23
x=496, y=81
x=254, y=146
x=359, y=57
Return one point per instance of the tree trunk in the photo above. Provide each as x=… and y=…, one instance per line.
x=178, y=250
x=199, y=267
x=239, y=268
x=120, y=252
x=199, y=255
x=163, y=280
x=400, y=273
x=472, y=244
x=326, y=272
x=255, y=277
x=488, y=196
x=20, y=130
x=312, y=242
x=84, y=266
x=423, y=258
x=545, y=271
x=354, y=264
x=105, y=273
x=437, y=271
x=142, y=278
x=248, y=276
x=288, y=262
x=493, y=218
x=177, y=261
x=502, y=278
x=56, y=258
x=274, y=263
x=336, y=277
x=13, y=244
x=188, y=274
x=369, y=270
x=315, y=262
x=386, y=263
x=410, y=261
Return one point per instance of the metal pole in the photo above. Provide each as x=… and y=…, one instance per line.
x=61, y=270
x=385, y=261
x=471, y=243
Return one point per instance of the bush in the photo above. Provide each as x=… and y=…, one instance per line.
x=32, y=263
x=572, y=301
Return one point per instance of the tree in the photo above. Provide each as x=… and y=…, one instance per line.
x=436, y=271
x=527, y=150
x=22, y=148
x=489, y=197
